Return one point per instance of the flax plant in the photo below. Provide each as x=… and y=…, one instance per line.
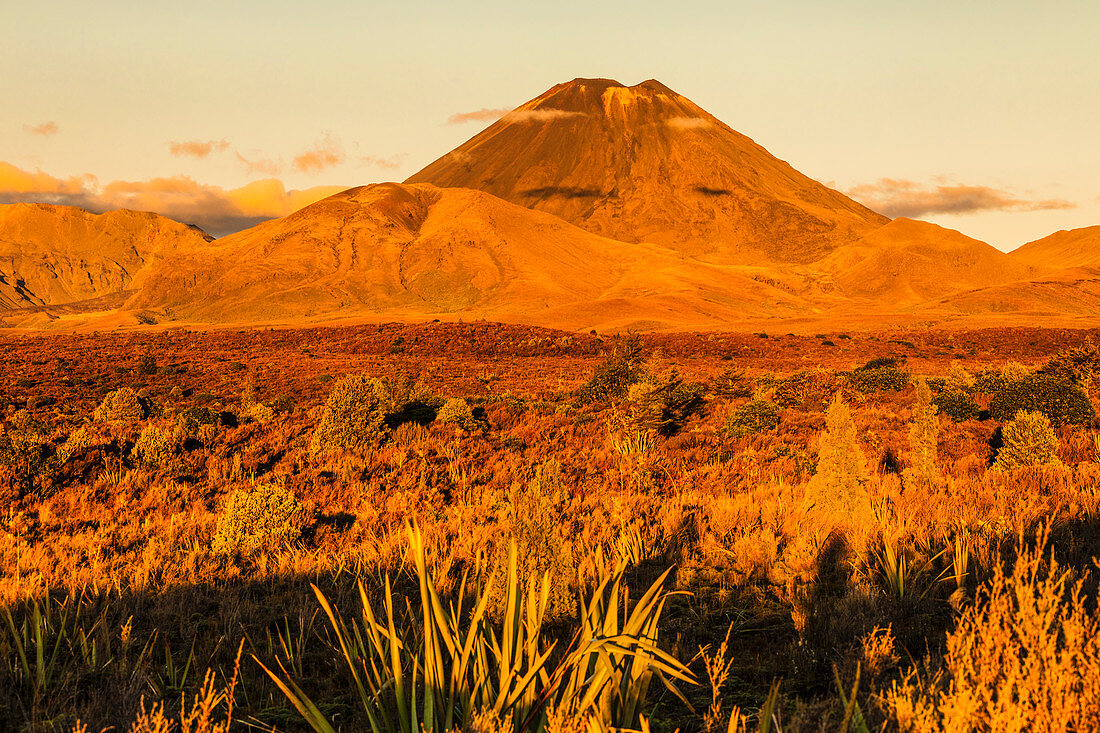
x=457, y=664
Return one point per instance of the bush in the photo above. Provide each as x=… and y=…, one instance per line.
x=1024, y=657
x=1029, y=440
x=613, y=378
x=663, y=402
x=1062, y=402
x=1013, y=371
x=1077, y=365
x=122, y=405
x=990, y=383
x=809, y=391
x=25, y=454
x=199, y=415
x=154, y=446
x=958, y=406
x=879, y=375
x=958, y=379
x=752, y=418
x=731, y=384
x=542, y=539
x=354, y=415
x=257, y=518
x=456, y=411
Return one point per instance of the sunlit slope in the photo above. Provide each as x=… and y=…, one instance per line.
x=644, y=163
x=1072, y=248
x=412, y=249
x=908, y=261
x=53, y=255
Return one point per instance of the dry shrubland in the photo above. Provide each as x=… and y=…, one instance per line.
x=824, y=532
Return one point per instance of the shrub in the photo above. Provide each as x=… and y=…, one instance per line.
x=958, y=379
x=1063, y=402
x=542, y=544
x=199, y=415
x=1078, y=365
x=839, y=483
x=809, y=391
x=261, y=412
x=354, y=415
x=989, y=383
x=1024, y=657
x=1013, y=371
x=923, y=442
x=257, y=518
x=283, y=405
x=752, y=418
x=663, y=402
x=456, y=411
x=613, y=378
x=25, y=453
x=879, y=375
x=731, y=384
x=958, y=406
x=122, y=405
x=154, y=446
x=1029, y=440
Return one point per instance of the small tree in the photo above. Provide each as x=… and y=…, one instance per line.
x=923, y=438
x=1029, y=440
x=840, y=482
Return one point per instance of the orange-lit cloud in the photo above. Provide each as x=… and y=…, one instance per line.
x=197, y=148
x=215, y=209
x=478, y=115
x=689, y=123
x=325, y=154
x=263, y=166
x=45, y=129
x=390, y=163
x=898, y=197
x=540, y=115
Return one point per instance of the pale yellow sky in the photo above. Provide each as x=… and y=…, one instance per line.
x=979, y=116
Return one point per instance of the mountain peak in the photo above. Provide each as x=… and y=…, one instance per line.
x=643, y=163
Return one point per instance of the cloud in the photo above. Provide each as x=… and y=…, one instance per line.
x=390, y=163
x=264, y=166
x=896, y=197
x=325, y=154
x=197, y=148
x=540, y=115
x=215, y=209
x=689, y=123
x=480, y=115
x=46, y=129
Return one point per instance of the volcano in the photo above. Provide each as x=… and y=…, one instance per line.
x=643, y=163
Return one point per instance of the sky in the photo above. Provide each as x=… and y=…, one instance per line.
x=979, y=116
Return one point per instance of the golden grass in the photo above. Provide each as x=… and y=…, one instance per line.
x=114, y=600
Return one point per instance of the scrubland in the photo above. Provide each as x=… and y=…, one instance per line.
x=486, y=527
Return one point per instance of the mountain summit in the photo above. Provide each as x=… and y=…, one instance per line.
x=643, y=163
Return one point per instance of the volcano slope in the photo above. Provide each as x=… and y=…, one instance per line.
x=55, y=255
x=418, y=251
x=1072, y=248
x=643, y=163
